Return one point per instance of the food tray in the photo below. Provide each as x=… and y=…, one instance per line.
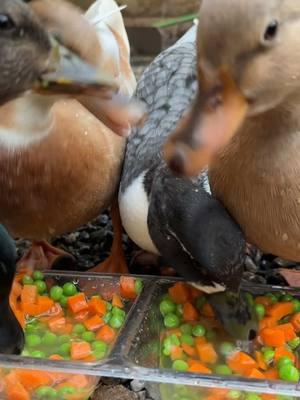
x=136, y=352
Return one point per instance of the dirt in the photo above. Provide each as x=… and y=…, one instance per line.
x=114, y=392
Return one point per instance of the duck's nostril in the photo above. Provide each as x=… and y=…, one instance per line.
x=252, y=334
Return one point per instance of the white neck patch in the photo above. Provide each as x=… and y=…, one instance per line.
x=30, y=121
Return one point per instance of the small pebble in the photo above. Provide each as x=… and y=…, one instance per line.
x=137, y=386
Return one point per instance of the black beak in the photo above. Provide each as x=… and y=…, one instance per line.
x=236, y=313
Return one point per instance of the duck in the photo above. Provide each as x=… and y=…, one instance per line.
x=176, y=217
x=36, y=39
x=244, y=122
x=11, y=333
x=61, y=148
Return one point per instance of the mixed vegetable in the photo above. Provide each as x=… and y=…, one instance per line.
x=193, y=341
x=63, y=323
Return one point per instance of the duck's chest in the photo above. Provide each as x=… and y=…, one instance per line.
x=63, y=180
x=261, y=189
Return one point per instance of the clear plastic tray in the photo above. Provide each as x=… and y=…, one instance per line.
x=42, y=375
x=136, y=352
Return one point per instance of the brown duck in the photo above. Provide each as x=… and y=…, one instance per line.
x=59, y=163
x=245, y=120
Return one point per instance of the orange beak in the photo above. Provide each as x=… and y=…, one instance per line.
x=216, y=115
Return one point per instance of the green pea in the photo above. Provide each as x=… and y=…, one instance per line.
x=78, y=329
x=211, y=335
x=99, y=345
x=200, y=301
x=108, y=306
x=268, y=356
x=180, y=365
x=289, y=373
x=138, y=286
x=41, y=327
x=33, y=340
x=252, y=396
x=56, y=293
x=30, y=328
x=179, y=310
x=88, y=336
x=27, y=280
x=119, y=312
x=272, y=298
x=294, y=343
x=266, y=348
x=38, y=276
x=187, y=339
x=234, y=394
x=63, y=301
x=41, y=286
x=260, y=310
x=25, y=353
x=64, y=392
x=199, y=330
x=169, y=342
x=99, y=354
x=166, y=351
x=45, y=393
x=284, y=361
x=116, y=321
x=223, y=369
x=107, y=317
x=69, y=289
x=226, y=348
x=64, y=339
x=296, y=304
x=186, y=328
x=64, y=349
x=287, y=298
x=49, y=339
x=167, y=307
x=171, y=321
x=38, y=354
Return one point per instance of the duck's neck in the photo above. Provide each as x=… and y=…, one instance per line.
x=265, y=142
x=25, y=120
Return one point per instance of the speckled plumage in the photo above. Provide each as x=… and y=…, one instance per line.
x=167, y=87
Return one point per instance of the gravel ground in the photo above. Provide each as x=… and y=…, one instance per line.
x=91, y=244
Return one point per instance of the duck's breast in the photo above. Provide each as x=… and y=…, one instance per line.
x=62, y=181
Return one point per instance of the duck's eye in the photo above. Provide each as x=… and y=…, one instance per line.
x=271, y=31
x=6, y=22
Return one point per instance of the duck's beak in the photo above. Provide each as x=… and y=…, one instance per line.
x=236, y=313
x=216, y=115
x=68, y=74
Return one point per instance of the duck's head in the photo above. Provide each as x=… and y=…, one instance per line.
x=248, y=65
x=25, y=49
x=11, y=332
x=60, y=63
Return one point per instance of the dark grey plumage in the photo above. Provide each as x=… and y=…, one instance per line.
x=167, y=88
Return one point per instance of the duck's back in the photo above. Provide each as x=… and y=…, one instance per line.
x=167, y=87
